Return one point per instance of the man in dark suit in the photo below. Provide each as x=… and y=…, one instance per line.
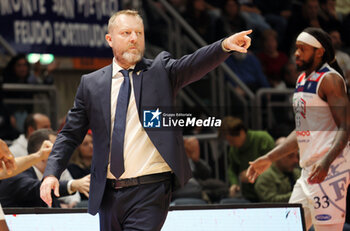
x=132, y=175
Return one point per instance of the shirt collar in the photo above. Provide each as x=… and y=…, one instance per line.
x=116, y=68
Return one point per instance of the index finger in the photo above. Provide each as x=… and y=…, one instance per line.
x=45, y=191
x=45, y=195
x=245, y=32
x=86, y=194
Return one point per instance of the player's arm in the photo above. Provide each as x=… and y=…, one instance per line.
x=25, y=162
x=262, y=163
x=332, y=90
x=7, y=160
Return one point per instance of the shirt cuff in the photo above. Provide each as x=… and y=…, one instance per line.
x=69, y=187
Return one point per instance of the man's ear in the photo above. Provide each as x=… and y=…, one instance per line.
x=109, y=39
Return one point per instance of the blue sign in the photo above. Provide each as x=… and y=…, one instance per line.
x=60, y=27
x=323, y=217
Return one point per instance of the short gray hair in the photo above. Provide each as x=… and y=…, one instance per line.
x=113, y=18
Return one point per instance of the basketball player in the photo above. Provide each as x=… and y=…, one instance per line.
x=321, y=135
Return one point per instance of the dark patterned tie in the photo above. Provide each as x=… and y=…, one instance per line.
x=117, y=152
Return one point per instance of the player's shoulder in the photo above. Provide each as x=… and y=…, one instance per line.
x=334, y=77
x=329, y=73
x=333, y=81
x=332, y=84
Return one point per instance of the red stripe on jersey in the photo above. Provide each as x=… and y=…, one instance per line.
x=301, y=77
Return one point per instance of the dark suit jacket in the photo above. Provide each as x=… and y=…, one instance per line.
x=155, y=84
x=23, y=190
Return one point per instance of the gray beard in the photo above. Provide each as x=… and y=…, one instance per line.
x=132, y=58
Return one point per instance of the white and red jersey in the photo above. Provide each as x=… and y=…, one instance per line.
x=315, y=126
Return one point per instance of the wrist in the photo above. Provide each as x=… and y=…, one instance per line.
x=37, y=155
x=223, y=46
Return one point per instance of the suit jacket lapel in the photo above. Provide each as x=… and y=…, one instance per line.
x=137, y=82
x=105, y=85
x=105, y=88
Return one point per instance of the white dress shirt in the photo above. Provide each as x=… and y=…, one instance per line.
x=140, y=155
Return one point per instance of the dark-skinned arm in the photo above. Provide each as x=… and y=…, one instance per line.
x=262, y=163
x=332, y=90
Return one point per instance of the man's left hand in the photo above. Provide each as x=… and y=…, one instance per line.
x=238, y=42
x=319, y=172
